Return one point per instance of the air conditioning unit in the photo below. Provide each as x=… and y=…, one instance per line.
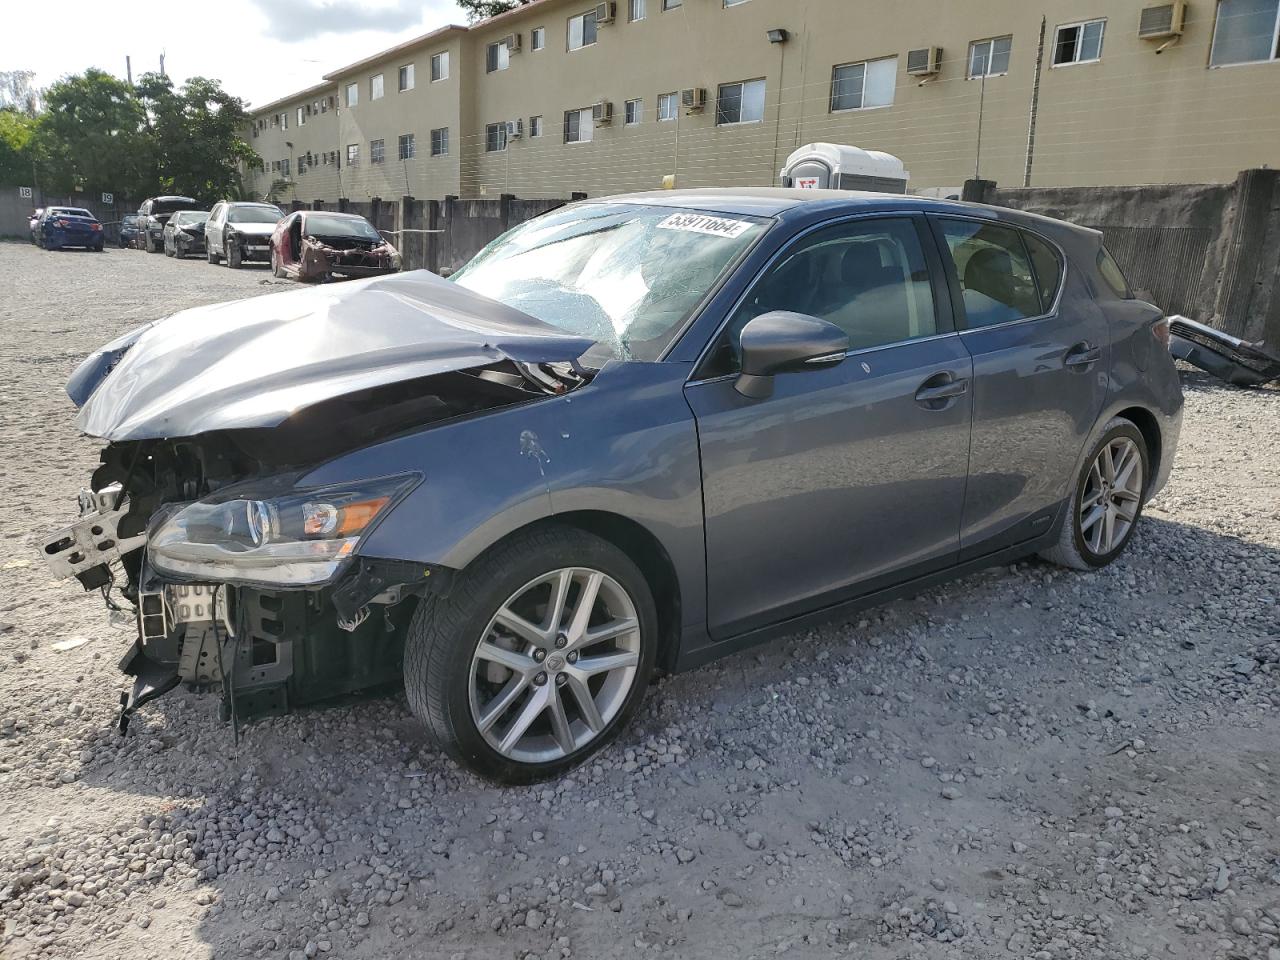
x=606, y=12
x=602, y=112
x=515, y=129
x=695, y=98
x=512, y=43
x=924, y=62
x=1163, y=21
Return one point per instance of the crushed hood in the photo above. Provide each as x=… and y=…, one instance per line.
x=255, y=362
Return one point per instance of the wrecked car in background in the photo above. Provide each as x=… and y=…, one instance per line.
x=184, y=233
x=321, y=245
x=240, y=230
x=630, y=434
x=1238, y=362
x=155, y=213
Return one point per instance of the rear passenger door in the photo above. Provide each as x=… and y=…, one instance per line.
x=1040, y=349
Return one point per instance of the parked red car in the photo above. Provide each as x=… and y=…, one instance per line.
x=321, y=245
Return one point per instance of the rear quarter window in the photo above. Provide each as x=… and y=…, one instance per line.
x=1047, y=264
x=1112, y=275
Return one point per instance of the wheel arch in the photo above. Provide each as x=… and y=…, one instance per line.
x=1149, y=426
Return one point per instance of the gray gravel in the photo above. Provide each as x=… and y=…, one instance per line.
x=1027, y=763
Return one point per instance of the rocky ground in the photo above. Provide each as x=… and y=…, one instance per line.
x=1027, y=763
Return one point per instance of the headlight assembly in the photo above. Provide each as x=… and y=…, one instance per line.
x=298, y=538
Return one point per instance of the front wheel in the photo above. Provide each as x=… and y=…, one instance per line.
x=211, y=253
x=277, y=270
x=537, y=658
x=233, y=255
x=1106, y=500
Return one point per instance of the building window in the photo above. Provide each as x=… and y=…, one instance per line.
x=496, y=57
x=284, y=121
x=440, y=142
x=495, y=137
x=324, y=105
x=1078, y=43
x=302, y=116
x=537, y=38
x=740, y=102
x=284, y=168
x=578, y=126
x=733, y=3
x=635, y=10
x=989, y=58
x=860, y=86
x=408, y=146
x=1246, y=31
x=377, y=151
x=440, y=66
x=375, y=87
x=671, y=4
x=582, y=30
x=633, y=110
x=353, y=154
x=668, y=106
x=535, y=126
x=353, y=94
x=405, y=81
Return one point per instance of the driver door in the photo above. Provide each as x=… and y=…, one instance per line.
x=849, y=477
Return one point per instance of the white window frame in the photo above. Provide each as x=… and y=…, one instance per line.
x=377, y=87
x=636, y=11
x=502, y=61
x=440, y=64
x=302, y=116
x=377, y=151
x=443, y=140
x=866, y=65
x=1275, y=42
x=586, y=125
x=581, y=20
x=672, y=4
x=733, y=3
x=538, y=38
x=990, y=43
x=353, y=95
x=632, y=118
x=401, y=76
x=353, y=154
x=742, y=98
x=412, y=142
x=1079, y=25
x=501, y=128
x=535, y=126
x=669, y=98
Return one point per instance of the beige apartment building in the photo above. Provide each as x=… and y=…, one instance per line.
x=560, y=96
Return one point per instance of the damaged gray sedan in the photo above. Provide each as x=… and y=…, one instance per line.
x=631, y=435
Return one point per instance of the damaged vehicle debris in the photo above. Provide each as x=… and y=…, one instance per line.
x=321, y=245
x=1238, y=362
x=630, y=435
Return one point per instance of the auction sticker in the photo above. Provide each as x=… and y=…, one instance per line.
x=700, y=223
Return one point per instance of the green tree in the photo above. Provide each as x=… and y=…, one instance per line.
x=483, y=9
x=16, y=153
x=92, y=136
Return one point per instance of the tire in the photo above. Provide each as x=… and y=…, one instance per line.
x=276, y=269
x=100, y=248
x=170, y=251
x=447, y=682
x=209, y=253
x=233, y=255
x=1084, y=546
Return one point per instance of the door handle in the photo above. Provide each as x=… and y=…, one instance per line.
x=936, y=392
x=1083, y=354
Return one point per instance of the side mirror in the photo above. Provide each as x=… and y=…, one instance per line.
x=785, y=342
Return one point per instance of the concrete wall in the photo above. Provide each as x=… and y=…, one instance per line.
x=1208, y=251
x=15, y=211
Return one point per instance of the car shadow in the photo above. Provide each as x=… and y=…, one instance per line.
x=342, y=823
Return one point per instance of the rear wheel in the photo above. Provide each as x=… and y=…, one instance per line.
x=537, y=658
x=1106, y=500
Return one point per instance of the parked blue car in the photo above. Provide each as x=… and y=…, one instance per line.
x=131, y=231
x=60, y=227
x=633, y=434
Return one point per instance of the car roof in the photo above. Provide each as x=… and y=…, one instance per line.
x=787, y=201
x=251, y=203
x=337, y=213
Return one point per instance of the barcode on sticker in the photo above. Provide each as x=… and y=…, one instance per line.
x=700, y=223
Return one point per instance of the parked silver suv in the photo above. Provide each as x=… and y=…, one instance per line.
x=238, y=231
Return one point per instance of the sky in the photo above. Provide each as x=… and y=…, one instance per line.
x=259, y=49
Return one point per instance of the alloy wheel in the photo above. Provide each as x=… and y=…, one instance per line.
x=1112, y=496
x=555, y=665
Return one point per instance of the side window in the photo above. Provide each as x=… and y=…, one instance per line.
x=1047, y=264
x=1113, y=275
x=993, y=271
x=868, y=277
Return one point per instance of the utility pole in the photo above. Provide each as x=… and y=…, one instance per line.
x=162, y=73
x=128, y=70
x=982, y=99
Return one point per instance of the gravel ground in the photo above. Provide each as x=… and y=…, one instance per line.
x=1026, y=763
